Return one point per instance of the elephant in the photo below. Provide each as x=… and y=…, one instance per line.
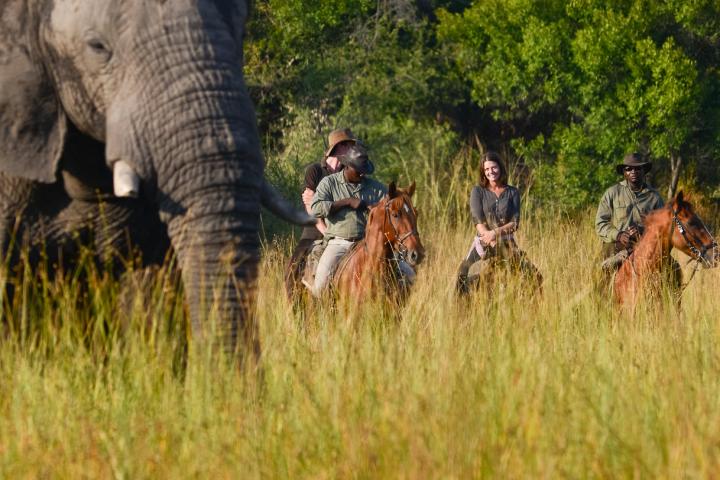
x=126, y=125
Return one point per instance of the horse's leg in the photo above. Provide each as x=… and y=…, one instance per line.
x=528, y=270
x=676, y=283
x=462, y=285
x=620, y=286
x=295, y=267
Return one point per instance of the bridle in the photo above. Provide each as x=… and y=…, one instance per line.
x=697, y=248
x=401, y=249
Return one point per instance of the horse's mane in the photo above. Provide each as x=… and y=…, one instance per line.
x=657, y=220
x=658, y=216
x=654, y=218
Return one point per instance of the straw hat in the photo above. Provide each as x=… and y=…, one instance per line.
x=338, y=136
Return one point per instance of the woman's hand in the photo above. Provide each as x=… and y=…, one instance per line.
x=489, y=237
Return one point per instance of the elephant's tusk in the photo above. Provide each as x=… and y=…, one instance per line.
x=277, y=204
x=126, y=182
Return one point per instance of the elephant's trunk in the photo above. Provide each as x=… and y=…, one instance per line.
x=219, y=265
x=199, y=129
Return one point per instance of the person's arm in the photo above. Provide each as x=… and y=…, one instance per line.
x=603, y=219
x=323, y=204
x=322, y=201
x=351, y=202
x=313, y=176
x=514, y=208
x=307, y=197
x=477, y=212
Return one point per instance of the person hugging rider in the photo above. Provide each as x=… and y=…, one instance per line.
x=339, y=141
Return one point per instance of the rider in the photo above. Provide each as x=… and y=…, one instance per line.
x=622, y=209
x=342, y=200
x=339, y=141
x=495, y=208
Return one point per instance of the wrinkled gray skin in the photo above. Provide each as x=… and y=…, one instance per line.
x=159, y=85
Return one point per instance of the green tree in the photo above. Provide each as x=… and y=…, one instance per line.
x=574, y=85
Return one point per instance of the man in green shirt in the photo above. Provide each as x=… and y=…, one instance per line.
x=342, y=199
x=622, y=209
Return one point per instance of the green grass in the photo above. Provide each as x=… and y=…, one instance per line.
x=501, y=386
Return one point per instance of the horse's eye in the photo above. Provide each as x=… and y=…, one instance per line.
x=395, y=215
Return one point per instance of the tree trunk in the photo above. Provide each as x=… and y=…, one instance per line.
x=675, y=168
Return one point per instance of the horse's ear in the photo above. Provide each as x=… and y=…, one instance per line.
x=411, y=189
x=677, y=200
x=392, y=190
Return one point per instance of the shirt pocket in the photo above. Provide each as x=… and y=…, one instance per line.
x=621, y=211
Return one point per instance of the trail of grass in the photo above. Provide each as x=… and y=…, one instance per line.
x=502, y=386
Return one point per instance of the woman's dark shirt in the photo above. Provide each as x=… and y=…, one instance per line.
x=494, y=211
x=313, y=174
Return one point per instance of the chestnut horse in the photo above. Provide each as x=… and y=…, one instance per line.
x=650, y=266
x=391, y=231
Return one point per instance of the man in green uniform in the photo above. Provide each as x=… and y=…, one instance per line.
x=622, y=209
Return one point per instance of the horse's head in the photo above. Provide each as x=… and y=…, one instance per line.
x=397, y=217
x=690, y=235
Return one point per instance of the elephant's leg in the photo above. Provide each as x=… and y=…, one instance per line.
x=116, y=232
x=15, y=196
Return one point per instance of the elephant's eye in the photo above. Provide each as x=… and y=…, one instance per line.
x=99, y=48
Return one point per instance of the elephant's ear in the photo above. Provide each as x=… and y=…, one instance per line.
x=32, y=125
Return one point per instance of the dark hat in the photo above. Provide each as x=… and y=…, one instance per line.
x=338, y=136
x=357, y=158
x=633, y=160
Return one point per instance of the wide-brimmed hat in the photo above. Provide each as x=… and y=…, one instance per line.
x=338, y=136
x=357, y=158
x=633, y=160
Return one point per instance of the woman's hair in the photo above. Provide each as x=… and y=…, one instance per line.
x=491, y=156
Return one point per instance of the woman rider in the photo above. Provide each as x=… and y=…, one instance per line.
x=495, y=208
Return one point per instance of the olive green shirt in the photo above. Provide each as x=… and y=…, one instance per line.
x=346, y=223
x=620, y=208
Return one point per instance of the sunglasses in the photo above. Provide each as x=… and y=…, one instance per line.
x=631, y=169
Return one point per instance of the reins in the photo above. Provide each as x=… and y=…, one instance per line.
x=402, y=249
x=698, y=254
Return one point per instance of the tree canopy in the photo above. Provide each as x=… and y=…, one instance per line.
x=566, y=87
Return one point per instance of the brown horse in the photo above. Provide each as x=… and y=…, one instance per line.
x=371, y=266
x=650, y=267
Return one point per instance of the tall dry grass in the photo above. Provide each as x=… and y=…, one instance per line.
x=504, y=385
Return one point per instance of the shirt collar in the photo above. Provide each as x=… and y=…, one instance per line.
x=625, y=184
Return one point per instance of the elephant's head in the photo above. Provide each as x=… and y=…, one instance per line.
x=160, y=83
